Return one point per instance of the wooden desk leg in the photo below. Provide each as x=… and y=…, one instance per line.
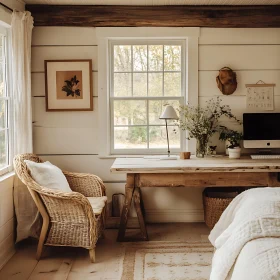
x=138, y=208
x=129, y=190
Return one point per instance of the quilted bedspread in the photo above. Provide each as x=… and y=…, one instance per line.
x=253, y=215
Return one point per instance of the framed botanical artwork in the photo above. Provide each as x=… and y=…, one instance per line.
x=68, y=85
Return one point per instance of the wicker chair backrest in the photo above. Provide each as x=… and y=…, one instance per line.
x=23, y=172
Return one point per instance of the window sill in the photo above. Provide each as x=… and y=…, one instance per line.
x=133, y=156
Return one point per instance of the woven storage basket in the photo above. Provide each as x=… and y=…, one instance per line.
x=215, y=201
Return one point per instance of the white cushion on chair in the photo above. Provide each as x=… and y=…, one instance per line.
x=48, y=175
x=97, y=203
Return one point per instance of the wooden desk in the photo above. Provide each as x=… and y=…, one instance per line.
x=207, y=172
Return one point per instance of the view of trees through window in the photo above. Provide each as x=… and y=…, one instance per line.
x=3, y=104
x=144, y=79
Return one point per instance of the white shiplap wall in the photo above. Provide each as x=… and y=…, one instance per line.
x=7, y=220
x=253, y=53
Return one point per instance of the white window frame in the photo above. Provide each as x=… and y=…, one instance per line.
x=104, y=35
x=6, y=32
x=181, y=98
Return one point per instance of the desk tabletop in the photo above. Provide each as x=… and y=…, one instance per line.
x=208, y=164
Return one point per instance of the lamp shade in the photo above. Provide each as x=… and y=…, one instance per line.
x=169, y=113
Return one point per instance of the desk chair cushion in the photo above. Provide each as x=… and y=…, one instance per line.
x=48, y=175
x=97, y=204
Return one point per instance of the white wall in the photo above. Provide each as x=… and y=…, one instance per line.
x=253, y=53
x=7, y=220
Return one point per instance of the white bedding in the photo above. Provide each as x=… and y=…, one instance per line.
x=252, y=216
x=259, y=259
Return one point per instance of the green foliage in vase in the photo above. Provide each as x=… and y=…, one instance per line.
x=71, y=87
x=203, y=122
x=232, y=136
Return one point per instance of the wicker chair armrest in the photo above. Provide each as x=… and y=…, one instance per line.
x=70, y=208
x=60, y=201
x=87, y=184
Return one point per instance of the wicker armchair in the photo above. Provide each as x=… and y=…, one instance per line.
x=68, y=218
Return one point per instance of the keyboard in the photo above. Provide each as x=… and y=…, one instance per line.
x=265, y=156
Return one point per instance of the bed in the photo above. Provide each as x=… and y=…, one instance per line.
x=247, y=237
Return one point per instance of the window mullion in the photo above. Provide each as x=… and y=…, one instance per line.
x=132, y=70
x=148, y=70
x=7, y=146
x=148, y=124
x=163, y=70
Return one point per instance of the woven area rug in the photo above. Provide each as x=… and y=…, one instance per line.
x=167, y=261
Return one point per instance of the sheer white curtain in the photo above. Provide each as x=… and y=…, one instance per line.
x=22, y=25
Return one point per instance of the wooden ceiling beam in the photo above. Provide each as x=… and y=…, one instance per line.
x=156, y=16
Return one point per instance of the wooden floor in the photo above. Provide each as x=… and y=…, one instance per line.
x=61, y=263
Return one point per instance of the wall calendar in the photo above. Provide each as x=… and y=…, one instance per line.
x=260, y=96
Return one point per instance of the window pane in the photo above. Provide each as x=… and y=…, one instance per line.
x=155, y=84
x=139, y=84
x=172, y=58
x=130, y=112
x=122, y=84
x=122, y=58
x=3, y=151
x=134, y=137
x=155, y=58
x=2, y=113
x=156, y=107
x=139, y=58
x=142, y=71
x=172, y=84
x=158, y=137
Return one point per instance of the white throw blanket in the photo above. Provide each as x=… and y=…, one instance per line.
x=259, y=259
x=253, y=214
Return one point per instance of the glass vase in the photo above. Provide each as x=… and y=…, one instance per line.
x=202, y=146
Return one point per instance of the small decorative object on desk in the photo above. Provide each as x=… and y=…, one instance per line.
x=233, y=138
x=185, y=155
x=202, y=123
x=212, y=150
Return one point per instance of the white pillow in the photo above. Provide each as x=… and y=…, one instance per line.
x=48, y=175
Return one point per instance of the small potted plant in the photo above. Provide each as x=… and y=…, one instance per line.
x=233, y=138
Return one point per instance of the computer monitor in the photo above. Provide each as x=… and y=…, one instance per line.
x=261, y=130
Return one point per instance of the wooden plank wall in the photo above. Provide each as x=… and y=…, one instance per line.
x=7, y=220
x=253, y=53
x=69, y=139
